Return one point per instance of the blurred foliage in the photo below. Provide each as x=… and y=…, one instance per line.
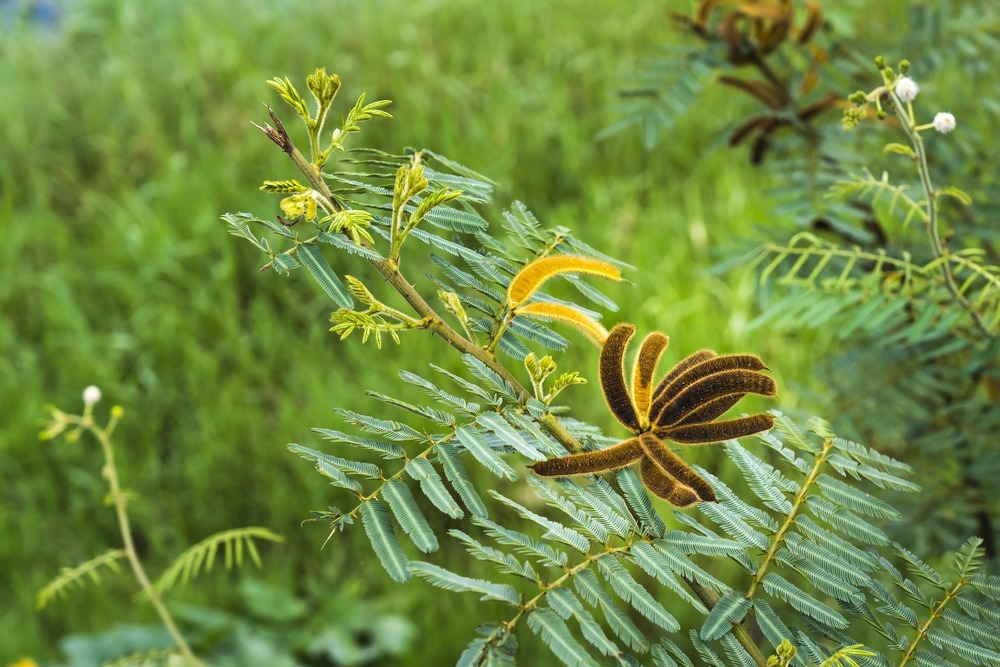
x=127, y=130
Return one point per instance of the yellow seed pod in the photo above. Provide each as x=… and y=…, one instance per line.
x=534, y=274
x=557, y=311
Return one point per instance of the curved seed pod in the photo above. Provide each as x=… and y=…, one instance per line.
x=681, y=367
x=664, y=486
x=612, y=458
x=714, y=386
x=728, y=362
x=534, y=274
x=563, y=313
x=652, y=348
x=711, y=410
x=612, y=372
x=704, y=434
x=670, y=464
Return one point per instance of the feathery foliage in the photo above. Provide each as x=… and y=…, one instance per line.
x=586, y=560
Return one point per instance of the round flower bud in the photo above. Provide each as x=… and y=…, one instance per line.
x=91, y=395
x=944, y=122
x=907, y=89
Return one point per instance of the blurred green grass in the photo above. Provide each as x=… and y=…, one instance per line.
x=127, y=133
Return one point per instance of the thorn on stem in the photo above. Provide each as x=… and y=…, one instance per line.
x=277, y=134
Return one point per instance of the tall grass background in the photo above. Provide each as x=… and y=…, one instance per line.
x=126, y=131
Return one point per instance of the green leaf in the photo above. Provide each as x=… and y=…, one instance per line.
x=567, y=605
x=312, y=258
x=954, y=646
x=846, y=521
x=557, y=637
x=369, y=470
x=590, y=588
x=595, y=508
x=588, y=526
x=201, y=556
x=388, y=450
x=522, y=543
x=390, y=429
x=727, y=612
x=474, y=442
x=856, y=500
x=455, y=471
x=337, y=476
x=734, y=526
x=772, y=626
x=422, y=471
x=484, y=372
x=456, y=583
x=629, y=590
x=496, y=648
x=655, y=564
x=638, y=500
x=508, y=435
x=780, y=587
x=404, y=507
x=737, y=654
x=553, y=529
x=378, y=527
x=899, y=149
x=75, y=576
x=952, y=191
x=508, y=563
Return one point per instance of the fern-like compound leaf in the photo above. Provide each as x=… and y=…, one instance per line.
x=523, y=544
x=455, y=471
x=779, y=587
x=508, y=564
x=75, y=576
x=773, y=628
x=201, y=556
x=553, y=529
x=388, y=450
x=389, y=429
x=369, y=470
x=421, y=470
x=584, y=524
x=487, y=374
x=639, y=502
x=450, y=581
x=312, y=258
x=728, y=611
x=590, y=589
x=496, y=648
x=409, y=516
x=846, y=521
x=629, y=590
x=476, y=444
x=856, y=500
x=558, y=637
x=738, y=656
x=567, y=605
x=385, y=544
x=495, y=422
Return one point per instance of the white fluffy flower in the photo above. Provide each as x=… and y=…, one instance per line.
x=907, y=89
x=944, y=122
x=91, y=395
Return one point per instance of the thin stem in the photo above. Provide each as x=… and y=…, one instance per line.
x=505, y=320
x=800, y=500
x=925, y=626
x=120, y=500
x=933, y=233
